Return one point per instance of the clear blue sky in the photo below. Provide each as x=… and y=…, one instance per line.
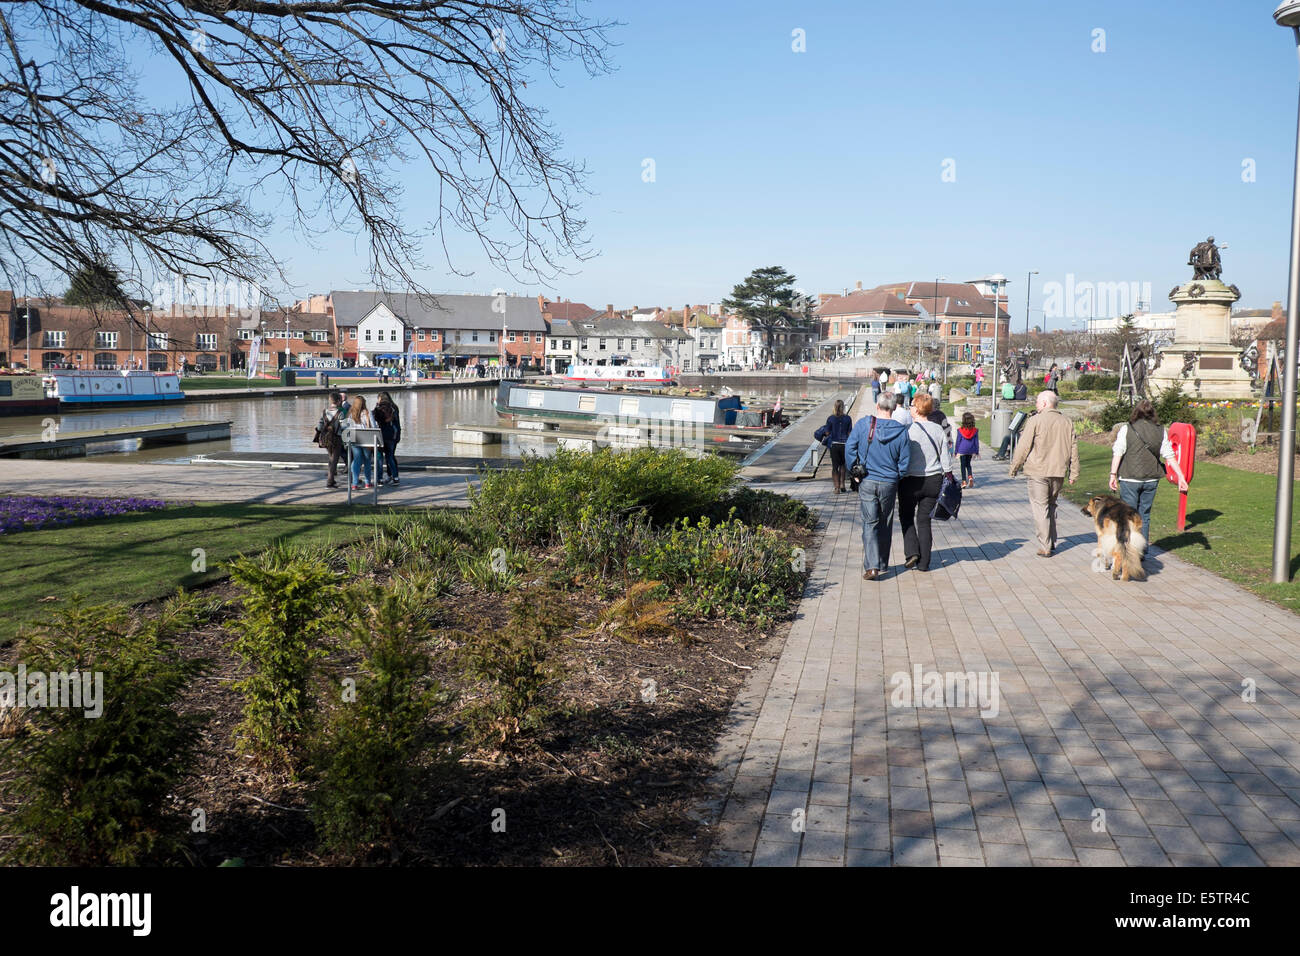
x=1109, y=166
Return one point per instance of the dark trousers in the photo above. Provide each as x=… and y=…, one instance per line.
x=389, y=458
x=917, y=496
x=966, y=471
x=337, y=454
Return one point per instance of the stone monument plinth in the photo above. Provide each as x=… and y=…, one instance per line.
x=1202, y=361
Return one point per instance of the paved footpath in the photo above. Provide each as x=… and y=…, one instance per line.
x=1119, y=697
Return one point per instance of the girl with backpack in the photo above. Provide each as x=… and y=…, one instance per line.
x=834, y=434
x=967, y=447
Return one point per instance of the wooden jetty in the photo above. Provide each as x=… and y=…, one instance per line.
x=73, y=444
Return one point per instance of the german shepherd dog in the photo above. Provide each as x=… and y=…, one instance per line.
x=1119, y=537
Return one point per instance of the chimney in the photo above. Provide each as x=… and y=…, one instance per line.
x=859, y=289
x=609, y=310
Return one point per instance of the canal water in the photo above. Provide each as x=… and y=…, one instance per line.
x=286, y=424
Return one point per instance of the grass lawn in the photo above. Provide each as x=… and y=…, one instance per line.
x=136, y=558
x=1229, y=522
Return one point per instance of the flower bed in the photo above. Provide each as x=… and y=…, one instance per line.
x=32, y=512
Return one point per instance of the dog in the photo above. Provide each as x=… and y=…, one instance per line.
x=1119, y=537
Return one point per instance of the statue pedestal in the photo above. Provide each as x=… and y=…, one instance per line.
x=1202, y=345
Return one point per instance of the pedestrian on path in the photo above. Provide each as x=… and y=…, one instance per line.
x=1135, y=469
x=979, y=378
x=1047, y=452
x=389, y=421
x=880, y=445
x=328, y=436
x=967, y=447
x=834, y=435
x=918, y=492
x=875, y=387
x=362, y=456
x=902, y=390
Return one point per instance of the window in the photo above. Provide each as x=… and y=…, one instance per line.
x=319, y=336
x=206, y=341
x=244, y=334
x=566, y=344
x=528, y=338
x=367, y=335
x=56, y=340
x=633, y=345
x=619, y=345
x=510, y=336
x=967, y=328
x=586, y=403
x=629, y=406
x=392, y=335
x=953, y=330
x=352, y=333
x=419, y=334
x=492, y=337
x=297, y=335
x=586, y=344
x=602, y=345
x=105, y=340
x=158, y=340
x=473, y=336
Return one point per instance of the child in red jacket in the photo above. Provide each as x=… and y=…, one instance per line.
x=967, y=446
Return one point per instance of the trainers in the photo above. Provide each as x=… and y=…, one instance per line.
x=369, y=485
x=395, y=482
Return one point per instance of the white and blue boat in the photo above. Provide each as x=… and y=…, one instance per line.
x=82, y=387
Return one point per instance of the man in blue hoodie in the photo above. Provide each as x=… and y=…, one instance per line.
x=879, y=443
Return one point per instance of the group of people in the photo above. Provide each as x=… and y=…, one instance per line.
x=336, y=432
x=905, y=454
x=904, y=387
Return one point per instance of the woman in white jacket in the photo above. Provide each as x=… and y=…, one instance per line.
x=918, y=492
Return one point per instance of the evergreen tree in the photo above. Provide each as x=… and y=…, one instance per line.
x=768, y=300
x=93, y=285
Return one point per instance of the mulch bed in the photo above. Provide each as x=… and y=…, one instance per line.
x=612, y=779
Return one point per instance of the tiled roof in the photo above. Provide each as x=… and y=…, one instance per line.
x=473, y=312
x=570, y=310
x=867, y=302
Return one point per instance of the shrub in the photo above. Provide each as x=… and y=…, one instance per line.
x=1113, y=414
x=93, y=791
x=1096, y=382
x=1086, y=426
x=1216, y=436
x=1173, y=406
x=517, y=662
x=724, y=569
x=755, y=507
x=528, y=506
x=289, y=602
x=366, y=762
x=601, y=542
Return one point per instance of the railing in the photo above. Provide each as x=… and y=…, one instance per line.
x=491, y=372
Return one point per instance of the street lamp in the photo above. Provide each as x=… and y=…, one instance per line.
x=146, y=310
x=1028, y=281
x=1287, y=14
x=259, y=357
x=997, y=280
x=286, y=340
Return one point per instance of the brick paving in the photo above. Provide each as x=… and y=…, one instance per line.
x=1104, y=706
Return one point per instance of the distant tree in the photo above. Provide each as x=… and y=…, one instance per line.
x=906, y=349
x=94, y=285
x=1110, y=346
x=769, y=301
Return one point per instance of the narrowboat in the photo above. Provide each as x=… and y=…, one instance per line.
x=24, y=394
x=653, y=375
x=90, y=387
x=524, y=400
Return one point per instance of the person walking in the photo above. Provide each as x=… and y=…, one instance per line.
x=1135, y=469
x=1054, y=378
x=902, y=390
x=834, y=435
x=967, y=447
x=1048, y=452
x=979, y=378
x=389, y=420
x=362, y=458
x=328, y=436
x=880, y=445
x=875, y=387
x=918, y=492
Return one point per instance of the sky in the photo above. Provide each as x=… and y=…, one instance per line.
x=1090, y=141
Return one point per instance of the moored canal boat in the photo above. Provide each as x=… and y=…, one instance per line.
x=24, y=394
x=631, y=375
x=88, y=387
x=527, y=400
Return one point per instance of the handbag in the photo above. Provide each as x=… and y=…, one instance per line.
x=859, y=469
x=949, y=501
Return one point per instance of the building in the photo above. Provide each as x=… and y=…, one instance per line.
x=304, y=339
x=619, y=341
x=856, y=323
x=707, y=332
x=455, y=329
x=963, y=314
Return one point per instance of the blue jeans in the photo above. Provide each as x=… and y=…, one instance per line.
x=387, y=457
x=1140, y=495
x=876, y=498
x=362, y=457
x=977, y=386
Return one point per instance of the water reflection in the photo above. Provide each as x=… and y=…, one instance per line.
x=286, y=424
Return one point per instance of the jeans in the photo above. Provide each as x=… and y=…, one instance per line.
x=966, y=470
x=977, y=386
x=362, y=457
x=917, y=496
x=1140, y=495
x=876, y=498
x=387, y=457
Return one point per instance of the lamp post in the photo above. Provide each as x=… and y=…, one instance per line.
x=147, y=311
x=1028, y=280
x=286, y=341
x=259, y=357
x=1287, y=14
x=997, y=280
x=943, y=339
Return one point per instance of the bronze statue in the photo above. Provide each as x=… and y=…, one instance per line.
x=1139, y=362
x=1204, y=259
x=1011, y=371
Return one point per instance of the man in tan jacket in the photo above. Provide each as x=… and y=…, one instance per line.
x=1047, y=451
